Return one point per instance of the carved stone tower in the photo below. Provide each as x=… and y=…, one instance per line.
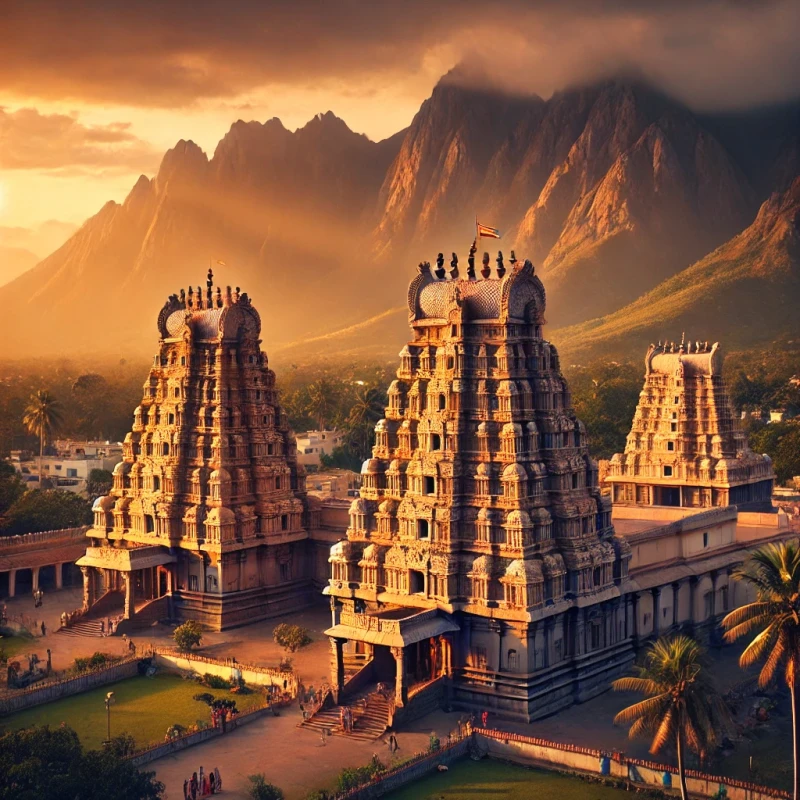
x=481, y=549
x=685, y=448
x=207, y=509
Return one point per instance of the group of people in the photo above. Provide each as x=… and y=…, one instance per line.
x=220, y=717
x=202, y=784
x=346, y=716
x=109, y=627
x=38, y=596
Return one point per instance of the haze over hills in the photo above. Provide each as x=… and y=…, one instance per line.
x=613, y=191
x=748, y=288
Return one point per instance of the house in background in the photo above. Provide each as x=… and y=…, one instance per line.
x=312, y=444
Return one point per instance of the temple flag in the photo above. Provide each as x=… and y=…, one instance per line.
x=485, y=232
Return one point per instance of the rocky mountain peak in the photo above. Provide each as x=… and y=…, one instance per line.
x=184, y=163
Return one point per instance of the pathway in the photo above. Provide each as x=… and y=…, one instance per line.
x=292, y=758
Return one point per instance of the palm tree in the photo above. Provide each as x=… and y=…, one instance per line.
x=42, y=417
x=681, y=707
x=367, y=409
x=774, y=572
x=321, y=399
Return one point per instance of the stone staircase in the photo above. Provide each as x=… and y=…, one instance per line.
x=83, y=627
x=370, y=717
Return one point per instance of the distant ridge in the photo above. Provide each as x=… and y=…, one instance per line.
x=611, y=189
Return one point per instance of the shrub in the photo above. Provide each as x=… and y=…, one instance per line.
x=215, y=682
x=204, y=697
x=291, y=637
x=188, y=635
x=261, y=790
x=98, y=660
x=351, y=778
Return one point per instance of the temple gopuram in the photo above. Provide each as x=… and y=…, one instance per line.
x=480, y=559
x=207, y=515
x=685, y=448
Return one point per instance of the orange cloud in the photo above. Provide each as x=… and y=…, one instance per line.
x=32, y=140
x=166, y=54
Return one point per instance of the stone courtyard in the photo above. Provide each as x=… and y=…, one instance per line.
x=293, y=758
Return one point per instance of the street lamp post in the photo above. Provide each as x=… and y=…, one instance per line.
x=109, y=702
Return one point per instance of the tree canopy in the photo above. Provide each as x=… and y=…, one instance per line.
x=45, y=510
x=39, y=762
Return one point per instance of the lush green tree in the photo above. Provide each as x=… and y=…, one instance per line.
x=781, y=442
x=774, y=572
x=341, y=458
x=681, y=707
x=46, y=510
x=322, y=399
x=42, y=416
x=188, y=635
x=368, y=407
x=291, y=637
x=39, y=762
x=11, y=488
x=604, y=396
x=259, y=789
x=99, y=483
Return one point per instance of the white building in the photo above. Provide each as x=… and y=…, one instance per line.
x=312, y=444
x=70, y=468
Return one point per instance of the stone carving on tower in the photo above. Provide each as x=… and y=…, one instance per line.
x=481, y=500
x=685, y=448
x=209, y=485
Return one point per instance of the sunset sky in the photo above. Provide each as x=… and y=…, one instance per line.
x=93, y=93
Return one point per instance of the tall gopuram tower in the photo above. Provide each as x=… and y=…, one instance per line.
x=480, y=560
x=206, y=517
x=685, y=448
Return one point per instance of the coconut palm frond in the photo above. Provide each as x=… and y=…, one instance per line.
x=666, y=730
x=645, y=686
x=737, y=631
x=758, y=647
x=643, y=708
x=744, y=614
x=776, y=654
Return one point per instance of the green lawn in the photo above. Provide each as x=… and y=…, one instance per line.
x=144, y=708
x=468, y=780
x=13, y=645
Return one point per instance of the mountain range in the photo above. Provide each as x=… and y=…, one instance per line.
x=643, y=219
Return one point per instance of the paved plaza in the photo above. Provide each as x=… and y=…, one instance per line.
x=293, y=758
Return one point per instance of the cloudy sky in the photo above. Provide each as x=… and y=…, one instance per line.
x=92, y=93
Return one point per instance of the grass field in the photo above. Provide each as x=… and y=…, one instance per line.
x=144, y=708
x=14, y=645
x=468, y=780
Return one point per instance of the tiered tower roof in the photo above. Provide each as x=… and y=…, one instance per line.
x=684, y=433
x=480, y=495
x=210, y=462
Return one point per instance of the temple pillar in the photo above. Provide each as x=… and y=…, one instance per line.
x=497, y=627
x=129, y=606
x=337, y=666
x=12, y=582
x=400, y=694
x=580, y=633
x=88, y=588
x=693, y=599
x=713, y=635
x=548, y=642
x=35, y=577
x=656, y=611
x=59, y=576
x=676, y=589
x=635, y=618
